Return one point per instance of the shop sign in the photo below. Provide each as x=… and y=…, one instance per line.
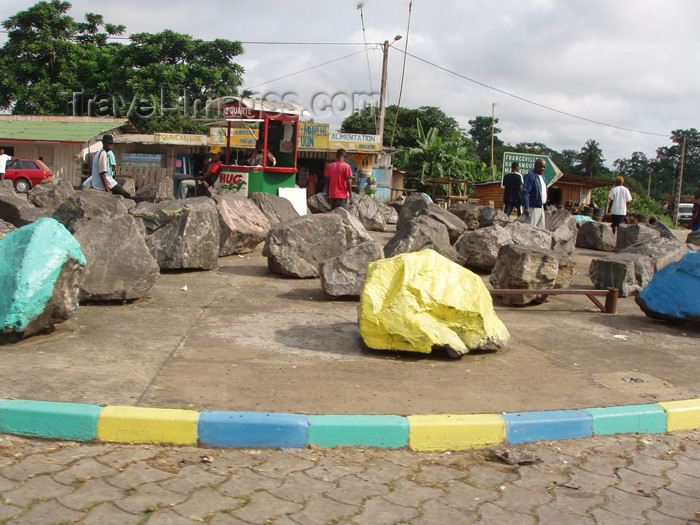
x=184, y=139
x=234, y=182
x=311, y=135
x=240, y=137
x=239, y=111
x=356, y=142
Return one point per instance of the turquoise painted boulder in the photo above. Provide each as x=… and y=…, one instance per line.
x=674, y=292
x=41, y=268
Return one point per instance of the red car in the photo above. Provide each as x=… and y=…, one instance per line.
x=25, y=173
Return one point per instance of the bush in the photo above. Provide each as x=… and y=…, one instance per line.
x=639, y=204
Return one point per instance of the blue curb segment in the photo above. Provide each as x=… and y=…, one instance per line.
x=252, y=430
x=523, y=427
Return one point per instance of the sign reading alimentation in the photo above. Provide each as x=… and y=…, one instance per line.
x=527, y=163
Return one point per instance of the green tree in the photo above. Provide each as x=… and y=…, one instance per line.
x=669, y=161
x=591, y=159
x=480, y=133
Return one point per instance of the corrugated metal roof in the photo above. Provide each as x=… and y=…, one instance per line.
x=58, y=129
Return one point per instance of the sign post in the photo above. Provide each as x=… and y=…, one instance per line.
x=527, y=162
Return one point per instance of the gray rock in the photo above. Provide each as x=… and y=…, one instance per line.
x=50, y=195
x=368, y=212
x=83, y=206
x=628, y=272
x=5, y=228
x=693, y=240
x=527, y=235
x=418, y=204
x=182, y=234
x=297, y=247
x=243, y=226
x=355, y=232
x=30, y=215
x=568, y=267
x=480, y=247
x=663, y=230
x=596, y=236
x=662, y=250
x=158, y=191
x=391, y=216
x=344, y=276
x=276, y=209
x=119, y=265
x=10, y=208
x=489, y=216
x=42, y=265
x=628, y=234
x=318, y=203
x=564, y=230
x=524, y=268
x=419, y=233
x=468, y=213
x=7, y=188
x=413, y=206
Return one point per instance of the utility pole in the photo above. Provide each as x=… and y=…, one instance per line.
x=493, y=124
x=680, y=182
x=382, y=93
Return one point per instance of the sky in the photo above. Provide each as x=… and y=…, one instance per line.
x=622, y=72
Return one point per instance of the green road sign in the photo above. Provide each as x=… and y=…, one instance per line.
x=527, y=163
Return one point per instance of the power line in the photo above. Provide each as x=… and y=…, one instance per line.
x=665, y=135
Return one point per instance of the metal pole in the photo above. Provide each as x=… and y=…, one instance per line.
x=680, y=182
x=382, y=94
x=493, y=116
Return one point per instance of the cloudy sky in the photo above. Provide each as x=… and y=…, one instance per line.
x=623, y=72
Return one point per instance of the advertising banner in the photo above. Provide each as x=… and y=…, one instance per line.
x=235, y=182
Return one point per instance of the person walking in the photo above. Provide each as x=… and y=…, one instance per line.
x=619, y=196
x=338, y=174
x=3, y=163
x=534, y=195
x=695, y=219
x=512, y=190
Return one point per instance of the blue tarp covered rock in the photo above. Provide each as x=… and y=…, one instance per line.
x=674, y=292
x=41, y=267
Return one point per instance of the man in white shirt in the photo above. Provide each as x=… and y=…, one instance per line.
x=3, y=163
x=102, y=177
x=620, y=196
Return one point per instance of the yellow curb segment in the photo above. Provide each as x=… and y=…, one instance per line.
x=455, y=431
x=148, y=425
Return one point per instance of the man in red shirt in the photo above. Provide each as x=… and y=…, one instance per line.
x=338, y=173
x=182, y=184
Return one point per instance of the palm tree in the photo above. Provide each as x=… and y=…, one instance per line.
x=591, y=159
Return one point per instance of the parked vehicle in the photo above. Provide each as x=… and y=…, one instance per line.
x=685, y=212
x=25, y=173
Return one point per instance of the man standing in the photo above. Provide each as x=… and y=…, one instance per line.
x=102, y=177
x=3, y=163
x=182, y=184
x=695, y=219
x=512, y=190
x=338, y=173
x=535, y=195
x=620, y=196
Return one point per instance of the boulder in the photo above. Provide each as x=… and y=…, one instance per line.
x=420, y=301
x=661, y=249
x=468, y=213
x=480, y=247
x=563, y=227
x=276, y=209
x=663, y=230
x=672, y=294
x=119, y=265
x=5, y=228
x=182, y=234
x=524, y=268
x=355, y=232
x=10, y=209
x=693, y=240
x=391, y=216
x=42, y=265
x=32, y=214
x=596, y=236
x=397, y=204
x=243, y=226
x=79, y=208
x=628, y=234
x=157, y=191
x=527, y=235
x=419, y=204
x=50, y=195
x=344, y=276
x=489, y=216
x=7, y=188
x=297, y=247
x=318, y=203
x=128, y=185
x=628, y=272
x=412, y=207
x=420, y=233
x=368, y=212
x=568, y=266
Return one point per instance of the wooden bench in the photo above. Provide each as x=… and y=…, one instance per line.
x=611, y=295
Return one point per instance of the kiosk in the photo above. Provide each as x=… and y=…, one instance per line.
x=276, y=124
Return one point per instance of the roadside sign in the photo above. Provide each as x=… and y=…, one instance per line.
x=527, y=163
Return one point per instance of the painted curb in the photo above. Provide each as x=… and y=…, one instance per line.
x=123, y=424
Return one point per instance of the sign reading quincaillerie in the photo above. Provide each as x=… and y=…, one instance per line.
x=527, y=163
x=184, y=139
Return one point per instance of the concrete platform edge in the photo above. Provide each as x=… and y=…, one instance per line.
x=49, y=420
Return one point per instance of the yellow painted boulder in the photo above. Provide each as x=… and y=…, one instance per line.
x=420, y=300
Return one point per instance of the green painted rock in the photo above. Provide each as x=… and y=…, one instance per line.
x=42, y=266
x=421, y=300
